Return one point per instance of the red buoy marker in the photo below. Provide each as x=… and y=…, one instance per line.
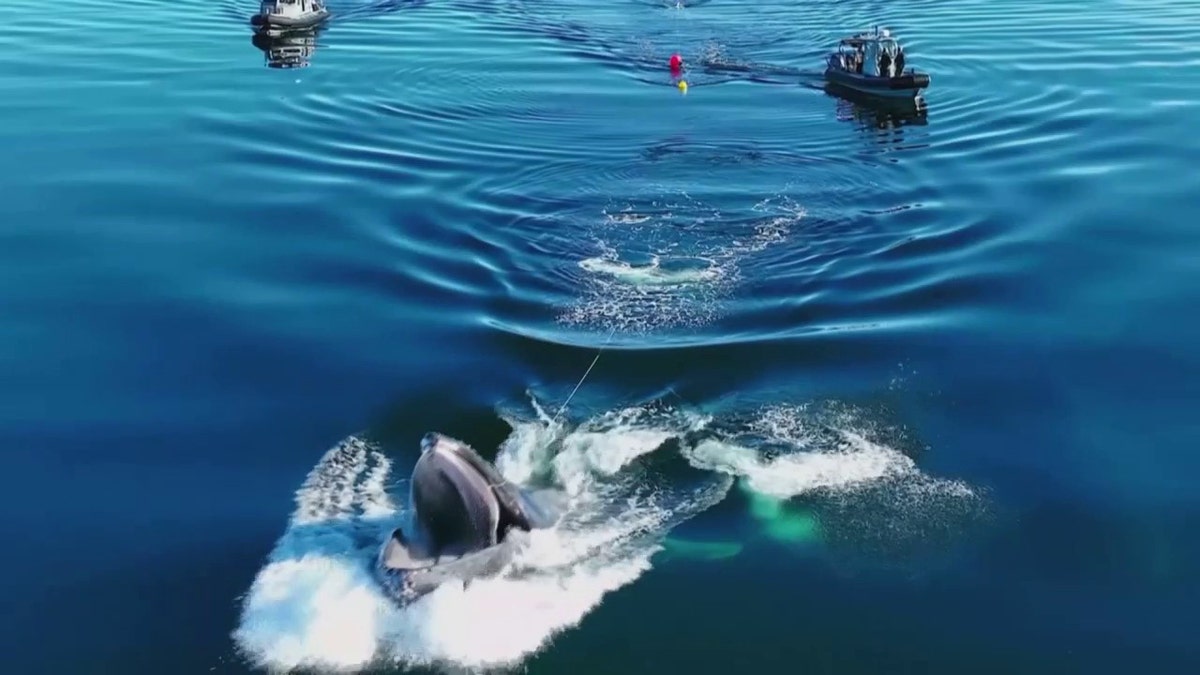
x=676, y=64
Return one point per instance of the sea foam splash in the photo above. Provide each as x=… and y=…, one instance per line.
x=704, y=251
x=629, y=477
x=653, y=273
x=835, y=450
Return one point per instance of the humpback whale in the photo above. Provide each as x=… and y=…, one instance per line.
x=465, y=521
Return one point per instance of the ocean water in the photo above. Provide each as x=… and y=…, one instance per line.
x=868, y=389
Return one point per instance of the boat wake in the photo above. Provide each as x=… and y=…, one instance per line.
x=631, y=475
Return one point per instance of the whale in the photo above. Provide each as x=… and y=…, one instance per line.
x=464, y=521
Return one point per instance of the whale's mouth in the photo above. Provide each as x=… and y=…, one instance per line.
x=407, y=571
x=399, y=569
x=391, y=569
x=465, y=522
x=401, y=554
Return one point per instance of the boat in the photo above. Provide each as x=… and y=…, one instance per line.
x=290, y=14
x=873, y=63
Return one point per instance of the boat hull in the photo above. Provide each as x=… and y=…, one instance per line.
x=277, y=21
x=906, y=85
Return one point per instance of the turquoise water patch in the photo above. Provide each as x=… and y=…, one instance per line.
x=782, y=522
x=692, y=549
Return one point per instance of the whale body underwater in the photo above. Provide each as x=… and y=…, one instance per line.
x=465, y=521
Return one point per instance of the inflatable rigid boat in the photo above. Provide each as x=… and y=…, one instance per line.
x=873, y=63
x=290, y=14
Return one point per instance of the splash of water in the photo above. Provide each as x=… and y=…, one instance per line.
x=629, y=477
x=695, y=261
x=651, y=274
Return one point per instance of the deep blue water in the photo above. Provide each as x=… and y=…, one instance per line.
x=879, y=391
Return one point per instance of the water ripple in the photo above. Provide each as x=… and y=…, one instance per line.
x=482, y=151
x=465, y=197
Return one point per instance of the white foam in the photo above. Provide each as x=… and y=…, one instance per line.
x=637, y=297
x=794, y=474
x=828, y=452
x=316, y=603
x=651, y=274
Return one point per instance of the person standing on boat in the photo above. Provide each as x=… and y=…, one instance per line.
x=900, y=61
x=871, y=59
x=885, y=64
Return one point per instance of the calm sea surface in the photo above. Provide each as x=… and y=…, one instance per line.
x=879, y=390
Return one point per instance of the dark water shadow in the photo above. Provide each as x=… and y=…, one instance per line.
x=876, y=111
x=173, y=607
x=287, y=49
x=883, y=121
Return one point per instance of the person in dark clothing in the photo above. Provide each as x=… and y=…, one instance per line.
x=900, y=62
x=884, y=62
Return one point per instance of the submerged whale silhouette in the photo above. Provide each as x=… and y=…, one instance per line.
x=466, y=521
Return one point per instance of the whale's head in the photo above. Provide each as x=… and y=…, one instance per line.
x=465, y=520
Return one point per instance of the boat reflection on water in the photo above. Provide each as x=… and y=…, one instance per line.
x=883, y=120
x=291, y=48
x=877, y=112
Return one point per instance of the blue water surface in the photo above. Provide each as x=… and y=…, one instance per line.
x=947, y=355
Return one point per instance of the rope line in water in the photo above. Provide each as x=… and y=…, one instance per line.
x=561, y=408
x=585, y=374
